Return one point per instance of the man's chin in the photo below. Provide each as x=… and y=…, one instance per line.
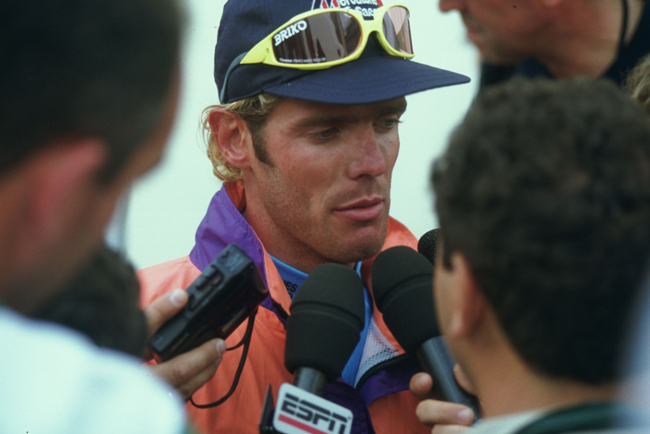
x=499, y=57
x=358, y=243
x=367, y=252
x=365, y=249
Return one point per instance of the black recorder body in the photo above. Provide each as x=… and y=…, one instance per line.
x=220, y=299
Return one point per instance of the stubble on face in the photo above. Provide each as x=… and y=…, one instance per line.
x=317, y=241
x=505, y=32
x=301, y=186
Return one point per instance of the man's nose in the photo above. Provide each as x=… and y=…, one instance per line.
x=369, y=158
x=450, y=5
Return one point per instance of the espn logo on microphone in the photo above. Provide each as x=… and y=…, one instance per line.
x=299, y=412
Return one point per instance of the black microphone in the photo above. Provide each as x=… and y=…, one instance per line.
x=327, y=317
x=402, y=282
x=428, y=244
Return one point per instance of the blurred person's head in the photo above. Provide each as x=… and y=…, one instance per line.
x=503, y=32
x=102, y=303
x=88, y=95
x=570, y=38
x=543, y=198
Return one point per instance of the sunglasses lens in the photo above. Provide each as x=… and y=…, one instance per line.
x=397, y=29
x=320, y=38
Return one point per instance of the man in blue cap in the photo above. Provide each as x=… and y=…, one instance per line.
x=306, y=139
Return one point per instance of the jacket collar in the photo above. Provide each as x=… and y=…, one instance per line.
x=224, y=224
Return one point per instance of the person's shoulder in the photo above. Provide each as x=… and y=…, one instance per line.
x=399, y=235
x=55, y=380
x=165, y=277
x=181, y=264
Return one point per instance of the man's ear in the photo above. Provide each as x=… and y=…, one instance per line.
x=232, y=137
x=469, y=302
x=63, y=180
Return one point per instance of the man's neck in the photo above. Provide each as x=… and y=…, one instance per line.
x=507, y=384
x=586, y=43
x=513, y=387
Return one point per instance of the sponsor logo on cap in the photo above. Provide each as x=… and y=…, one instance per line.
x=332, y=4
x=289, y=31
x=366, y=7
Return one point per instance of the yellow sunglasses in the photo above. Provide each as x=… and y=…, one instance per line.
x=328, y=37
x=323, y=38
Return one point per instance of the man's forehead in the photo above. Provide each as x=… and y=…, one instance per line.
x=309, y=109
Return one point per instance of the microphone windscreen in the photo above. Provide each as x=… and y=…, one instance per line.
x=327, y=317
x=402, y=283
x=428, y=244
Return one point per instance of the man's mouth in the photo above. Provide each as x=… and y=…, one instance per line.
x=362, y=210
x=471, y=27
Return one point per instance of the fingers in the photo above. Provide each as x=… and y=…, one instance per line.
x=444, y=417
x=449, y=429
x=164, y=308
x=189, y=371
x=187, y=390
x=431, y=412
x=463, y=381
x=421, y=385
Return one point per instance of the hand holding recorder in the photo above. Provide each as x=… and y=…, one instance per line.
x=189, y=371
x=228, y=291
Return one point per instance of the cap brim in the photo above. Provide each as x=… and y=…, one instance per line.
x=367, y=80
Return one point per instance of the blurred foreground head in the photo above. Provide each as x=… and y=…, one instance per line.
x=102, y=303
x=545, y=191
x=88, y=96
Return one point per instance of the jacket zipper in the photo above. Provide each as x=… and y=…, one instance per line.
x=386, y=364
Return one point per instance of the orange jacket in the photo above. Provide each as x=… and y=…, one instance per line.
x=385, y=395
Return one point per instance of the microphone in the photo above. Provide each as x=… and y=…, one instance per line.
x=403, y=289
x=327, y=317
x=428, y=244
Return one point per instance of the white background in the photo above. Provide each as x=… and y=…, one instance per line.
x=166, y=206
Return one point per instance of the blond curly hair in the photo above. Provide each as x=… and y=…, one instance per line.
x=253, y=111
x=637, y=83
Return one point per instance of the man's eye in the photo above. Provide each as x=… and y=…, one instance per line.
x=389, y=123
x=325, y=134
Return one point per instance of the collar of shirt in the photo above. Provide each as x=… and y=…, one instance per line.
x=294, y=278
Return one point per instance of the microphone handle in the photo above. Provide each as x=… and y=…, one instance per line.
x=436, y=359
x=311, y=380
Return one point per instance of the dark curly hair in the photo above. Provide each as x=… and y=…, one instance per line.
x=102, y=302
x=545, y=189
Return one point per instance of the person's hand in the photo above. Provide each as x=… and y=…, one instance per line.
x=191, y=370
x=444, y=417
